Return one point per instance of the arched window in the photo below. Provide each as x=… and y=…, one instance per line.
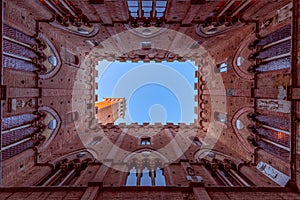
x=145, y=176
x=146, y=8
x=160, y=179
x=132, y=177
x=133, y=7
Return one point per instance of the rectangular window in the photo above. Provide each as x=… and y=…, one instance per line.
x=145, y=141
x=220, y=117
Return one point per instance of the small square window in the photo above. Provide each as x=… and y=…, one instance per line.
x=145, y=141
x=220, y=117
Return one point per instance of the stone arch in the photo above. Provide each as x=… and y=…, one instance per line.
x=49, y=133
x=146, y=153
x=243, y=51
x=66, y=168
x=53, y=58
x=213, y=154
x=212, y=30
x=83, y=30
x=75, y=154
x=224, y=168
x=145, y=162
x=243, y=111
x=150, y=31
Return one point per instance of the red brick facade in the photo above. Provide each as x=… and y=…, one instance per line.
x=52, y=146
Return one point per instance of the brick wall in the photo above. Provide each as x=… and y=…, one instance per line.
x=70, y=88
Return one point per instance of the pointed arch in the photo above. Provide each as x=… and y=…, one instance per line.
x=237, y=132
x=52, y=122
x=53, y=62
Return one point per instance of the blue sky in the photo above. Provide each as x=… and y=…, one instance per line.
x=155, y=92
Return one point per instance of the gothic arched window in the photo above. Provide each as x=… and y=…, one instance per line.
x=145, y=175
x=132, y=177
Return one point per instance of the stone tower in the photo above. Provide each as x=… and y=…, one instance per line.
x=110, y=109
x=244, y=143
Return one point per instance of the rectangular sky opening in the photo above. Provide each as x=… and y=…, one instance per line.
x=139, y=92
